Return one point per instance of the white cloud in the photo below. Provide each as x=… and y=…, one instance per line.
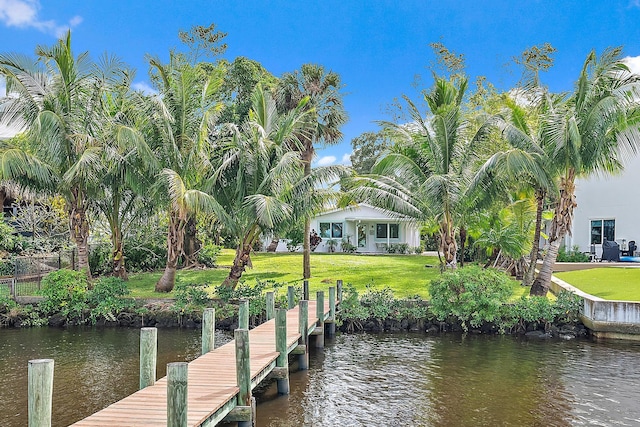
x=346, y=159
x=633, y=62
x=144, y=87
x=326, y=160
x=24, y=14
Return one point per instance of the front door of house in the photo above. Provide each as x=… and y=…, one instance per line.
x=362, y=237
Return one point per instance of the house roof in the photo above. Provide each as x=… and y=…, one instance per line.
x=386, y=214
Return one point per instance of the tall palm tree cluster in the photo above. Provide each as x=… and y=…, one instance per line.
x=118, y=154
x=477, y=167
x=495, y=170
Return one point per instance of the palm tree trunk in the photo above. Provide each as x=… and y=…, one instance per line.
x=192, y=244
x=119, y=269
x=448, y=244
x=560, y=226
x=463, y=240
x=175, y=240
x=79, y=229
x=535, y=249
x=307, y=156
x=242, y=258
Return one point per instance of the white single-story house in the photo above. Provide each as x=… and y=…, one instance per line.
x=370, y=229
x=608, y=208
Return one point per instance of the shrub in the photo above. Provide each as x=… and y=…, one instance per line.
x=65, y=292
x=108, y=298
x=190, y=296
x=208, y=255
x=100, y=259
x=253, y=293
x=574, y=255
x=378, y=302
x=471, y=295
x=351, y=311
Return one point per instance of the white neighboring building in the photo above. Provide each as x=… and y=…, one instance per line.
x=609, y=207
x=369, y=228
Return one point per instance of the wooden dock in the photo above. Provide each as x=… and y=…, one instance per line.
x=212, y=385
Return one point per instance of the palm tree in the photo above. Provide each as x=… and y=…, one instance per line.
x=59, y=99
x=259, y=175
x=128, y=163
x=590, y=133
x=427, y=174
x=523, y=164
x=182, y=119
x=325, y=101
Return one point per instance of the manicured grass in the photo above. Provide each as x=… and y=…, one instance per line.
x=406, y=275
x=613, y=283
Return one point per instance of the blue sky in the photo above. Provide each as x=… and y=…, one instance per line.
x=376, y=46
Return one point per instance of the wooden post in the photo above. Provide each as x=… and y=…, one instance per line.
x=177, y=374
x=243, y=370
x=12, y=287
x=305, y=290
x=320, y=315
x=243, y=314
x=281, y=347
x=332, y=311
x=148, y=356
x=40, y=389
x=291, y=297
x=339, y=287
x=271, y=306
x=208, y=330
x=303, y=359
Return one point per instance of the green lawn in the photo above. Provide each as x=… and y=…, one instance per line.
x=613, y=283
x=406, y=275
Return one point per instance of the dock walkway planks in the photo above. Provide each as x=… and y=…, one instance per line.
x=211, y=383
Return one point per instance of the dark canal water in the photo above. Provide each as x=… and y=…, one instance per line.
x=358, y=380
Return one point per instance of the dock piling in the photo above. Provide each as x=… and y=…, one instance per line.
x=243, y=370
x=208, y=330
x=291, y=297
x=331, y=321
x=40, y=389
x=177, y=374
x=271, y=306
x=339, y=288
x=305, y=290
x=320, y=316
x=281, y=347
x=148, y=356
x=243, y=314
x=303, y=359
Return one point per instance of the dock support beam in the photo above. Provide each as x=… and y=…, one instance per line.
x=303, y=322
x=208, y=330
x=177, y=374
x=40, y=391
x=148, y=356
x=271, y=306
x=243, y=371
x=243, y=314
x=320, y=315
x=291, y=297
x=282, y=361
x=331, y=321
x=339, y=288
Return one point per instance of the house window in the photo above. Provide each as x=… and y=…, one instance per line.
x=602, y=228
x=331, y=230
x=381, y=231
